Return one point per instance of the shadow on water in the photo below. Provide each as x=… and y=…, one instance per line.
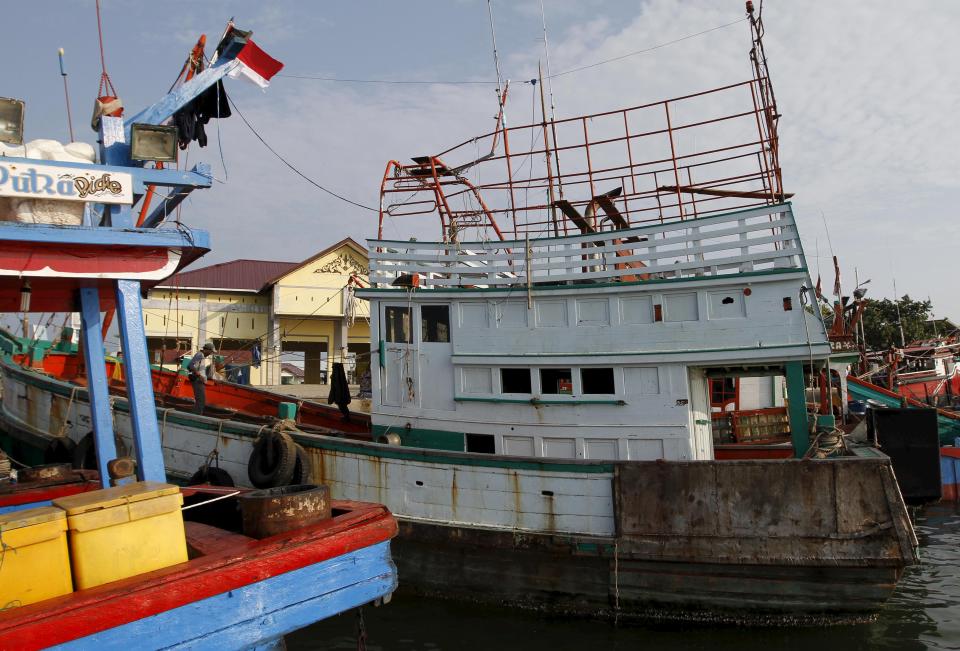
x=924, y=613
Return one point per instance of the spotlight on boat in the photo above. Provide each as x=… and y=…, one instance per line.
x=11, y=121
x=153, y=142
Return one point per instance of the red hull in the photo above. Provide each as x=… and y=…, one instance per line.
x=87, y=612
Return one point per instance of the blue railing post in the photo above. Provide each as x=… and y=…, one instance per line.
x=97, y=387
x=136, y=366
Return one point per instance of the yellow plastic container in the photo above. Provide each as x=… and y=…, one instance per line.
x=124, y=531
x=34, y=562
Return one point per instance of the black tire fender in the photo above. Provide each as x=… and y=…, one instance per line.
x=213, y=476
x=272, y=460
x=59, y=450
x=301, y=470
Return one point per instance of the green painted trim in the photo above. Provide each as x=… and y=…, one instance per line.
x=373, y=291
x=406, y=453
x=540, y=401
x=797, y=409
x=692, y=351
x=433, y=439
x=680, y=223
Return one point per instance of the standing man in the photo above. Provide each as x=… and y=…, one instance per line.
x=198, y=377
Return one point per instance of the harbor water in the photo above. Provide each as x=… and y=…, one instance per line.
x=924, y=613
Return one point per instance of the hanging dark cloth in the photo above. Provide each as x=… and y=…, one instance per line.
x=190, y=120
x=339, y=390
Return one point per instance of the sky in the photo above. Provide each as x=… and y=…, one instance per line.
x=867, y=91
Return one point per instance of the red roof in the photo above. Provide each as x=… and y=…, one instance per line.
x=250, y=275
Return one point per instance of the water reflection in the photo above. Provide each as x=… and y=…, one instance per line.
x=924, y=613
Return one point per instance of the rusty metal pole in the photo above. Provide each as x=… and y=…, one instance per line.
x=673, y=156
x=546, y=147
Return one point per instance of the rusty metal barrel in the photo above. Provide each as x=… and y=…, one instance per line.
x=271, y=511
x=49, y=473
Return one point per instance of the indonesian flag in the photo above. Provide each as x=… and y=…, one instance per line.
x=255, y=65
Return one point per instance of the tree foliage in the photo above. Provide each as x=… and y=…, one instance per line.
x=881, y=323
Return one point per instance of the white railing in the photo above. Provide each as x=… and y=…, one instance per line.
x=757, y=239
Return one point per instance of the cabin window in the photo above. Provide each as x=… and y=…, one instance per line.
x=483, y=443
x=435, y=323
x=515, y=380
x=556, y=381
x=597, y=380
x=397, y=324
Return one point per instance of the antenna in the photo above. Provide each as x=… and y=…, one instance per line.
x=903, y=343
x=496, y=57
x=553, y=106
x=66, y=93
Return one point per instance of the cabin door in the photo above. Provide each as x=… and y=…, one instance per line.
x=700, y=425
x=399, y=384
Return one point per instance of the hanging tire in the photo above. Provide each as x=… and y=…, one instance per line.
x=213, y=476
x=301, y=469
x=272, y=461
x=60, y=450
x=85, y=454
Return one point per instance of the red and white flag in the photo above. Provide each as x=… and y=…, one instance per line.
x=255, y=65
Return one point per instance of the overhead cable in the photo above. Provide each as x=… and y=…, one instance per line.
x=457, y=82
x=290, y=165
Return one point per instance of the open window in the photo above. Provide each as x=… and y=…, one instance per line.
x=556, y=381
x=597, y=381
x=396, y=324
x=435, y=323
x=515, y=380
x=483, y=443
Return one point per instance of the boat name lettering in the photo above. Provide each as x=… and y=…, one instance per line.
x=38, y=181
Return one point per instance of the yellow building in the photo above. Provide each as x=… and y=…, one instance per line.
x=302, y=312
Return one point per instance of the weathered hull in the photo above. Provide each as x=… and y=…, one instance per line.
x=587, y=577
x=760, y=541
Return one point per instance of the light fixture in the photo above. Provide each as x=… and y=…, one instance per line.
x=11, y=121
x=25, y=292
x=153, y=142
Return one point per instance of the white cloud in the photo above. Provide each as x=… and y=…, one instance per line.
x=867, y=132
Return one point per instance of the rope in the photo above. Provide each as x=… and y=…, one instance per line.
x=163, y=424
x=66, y=415
x=104, y=77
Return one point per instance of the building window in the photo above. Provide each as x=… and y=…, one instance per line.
x=397, y=324
x=483, y=443
x=597, y=380
x=515, y=380
x=556, y=381
x=435, y=323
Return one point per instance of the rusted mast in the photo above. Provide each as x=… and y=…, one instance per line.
x=768, y=100
x=546, y=147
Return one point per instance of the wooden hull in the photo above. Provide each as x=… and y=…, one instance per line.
x=245, y=596
x=708, y=540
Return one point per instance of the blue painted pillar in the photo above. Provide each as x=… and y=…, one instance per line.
x=136, y=362
x=97, y=386
x=797, y=397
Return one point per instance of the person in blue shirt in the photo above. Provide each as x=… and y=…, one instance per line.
x=198, y=377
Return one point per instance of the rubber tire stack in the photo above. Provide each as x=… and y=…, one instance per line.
x=273, y=460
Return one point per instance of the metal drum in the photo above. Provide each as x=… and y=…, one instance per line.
x=271, y=511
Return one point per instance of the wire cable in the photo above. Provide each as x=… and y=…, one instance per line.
x=463, y=82
x=646, y=50
x=306, y=178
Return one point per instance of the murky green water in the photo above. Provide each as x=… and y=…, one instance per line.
x=923, y=614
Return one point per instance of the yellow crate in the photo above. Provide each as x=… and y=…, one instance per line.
x=34, y=562
x=124, y=531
